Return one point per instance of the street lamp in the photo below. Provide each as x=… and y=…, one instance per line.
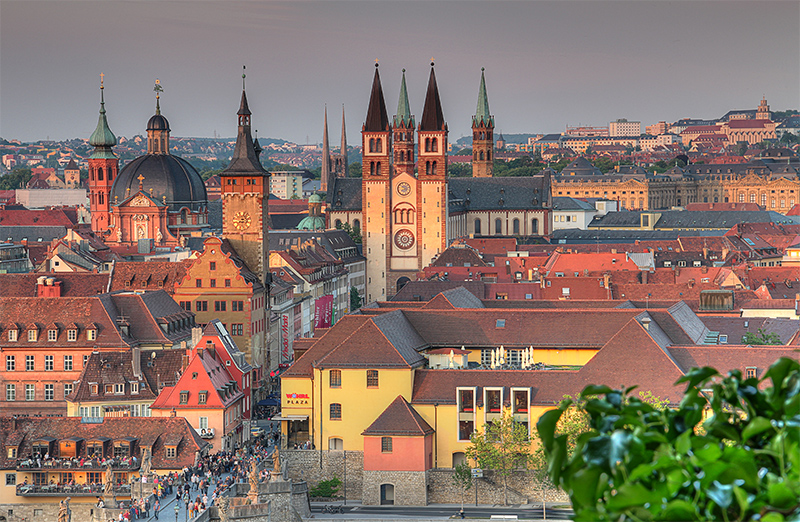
x=177, y=511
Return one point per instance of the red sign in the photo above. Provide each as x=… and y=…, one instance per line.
x=285, y=337
x=297, y=399
x=323, y=311
x=297, y=396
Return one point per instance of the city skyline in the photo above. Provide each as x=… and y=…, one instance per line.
x=548, y=64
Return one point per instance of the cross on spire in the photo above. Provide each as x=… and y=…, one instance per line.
x=158, y=90
x=244, y=67
x=141, y=179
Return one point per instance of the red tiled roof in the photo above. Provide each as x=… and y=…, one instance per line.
x=156, y=275
x=53, y=217
x=73, y=284
x=399, y=418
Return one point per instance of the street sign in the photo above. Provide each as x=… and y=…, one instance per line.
x=477, y=473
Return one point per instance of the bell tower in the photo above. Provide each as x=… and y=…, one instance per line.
x=432, y=176
x=482, y=136
x=403, y=130
x=376, y=158
x=103, y=168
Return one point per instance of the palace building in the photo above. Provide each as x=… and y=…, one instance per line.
x=406, y=207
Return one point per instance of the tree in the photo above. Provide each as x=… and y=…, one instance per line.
x=729, y=451
x=16, y=179
x=761, y=338
x=459, y=170
x=503, y=446
x=354, y=233
x=462, y=478
x=355, y=299
x=354, y=169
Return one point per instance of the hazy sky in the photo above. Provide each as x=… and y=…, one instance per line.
x=548, y=64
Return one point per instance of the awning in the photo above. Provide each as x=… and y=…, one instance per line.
x=270, y=401
x=281, y=417
x=46, y=438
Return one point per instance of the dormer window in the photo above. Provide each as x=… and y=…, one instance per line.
x=72, y=335
x=119, y=389
x=52, y=335
x=134, y=388
x=185, y=397
x=12, y=335
x=91, y=334
x=171, y=451
x=93, y=388
x=202, y=397
x=33, y=334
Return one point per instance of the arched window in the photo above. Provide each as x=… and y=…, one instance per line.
x=427, y=144
x=335, y=443
x=477, y=226
x=433, y=168
x=488, y=155
x=356, y=224
x=338, y=223
x=372, y=168
x=378, y=145
x=535, y=226
x=498, y=226
x=516, y=227
x=101, y=198
x=378, y=168
x=459, y=458
x=480, y=156
x=763, y=200
x=427, y=167
x=434, y=145
x=741, y=198
x=372, y=144
x=100, y=174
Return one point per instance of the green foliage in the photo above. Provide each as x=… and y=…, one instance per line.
x=355, y=299
x=662, y=166
x=326, y=488
x=761, y=338
x=459, y=170
x=503, y=446
x=354, y=233
x=789, y=138
x=462, y=478
x=641, y=463
x=354, y=169
x=16, y=179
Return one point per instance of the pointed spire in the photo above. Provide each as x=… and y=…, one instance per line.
x=102, y=138
x=403, y=115
x=377, y=120
x=482, y=112
x=257, y=146
x=245, y=160
x=432, y=116
x=326, y=153
x=343, y=146
x=158, y=90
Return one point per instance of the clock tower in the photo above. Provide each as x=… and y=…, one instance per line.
x=245, y=194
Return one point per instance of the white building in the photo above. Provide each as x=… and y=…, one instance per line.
x=577, y=213
x=623, y=127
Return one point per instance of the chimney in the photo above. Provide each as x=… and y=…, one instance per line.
x=644, y=277
x=197, y=333
x=607, y=280
x=646, y=323
x=136, y=362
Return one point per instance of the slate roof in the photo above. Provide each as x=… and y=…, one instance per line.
x=400, y=419
x=376, y=119
x=455, y=298
x=504, y=193
x=562, y=203
x=686, y=219
x=144, y=431
x=158, y=367
x=427, y=290
x=16, y=234
x=432, y=116
x=735, y=329
x=458, y=256
x=345, y=194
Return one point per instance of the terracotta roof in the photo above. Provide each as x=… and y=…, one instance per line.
x=142, y=429
x=32, y=218
x=399, y=418
x=73, y=284
x=459, y=256
x=324, y=345
x=726, y=357
x=149, y=275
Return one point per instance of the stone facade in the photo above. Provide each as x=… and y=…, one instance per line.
x=409, y=487
x=523, y=488
x=306, y=465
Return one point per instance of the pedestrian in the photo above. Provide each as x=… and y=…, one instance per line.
x=155, y=509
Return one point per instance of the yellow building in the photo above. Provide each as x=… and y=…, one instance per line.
x=521, y=361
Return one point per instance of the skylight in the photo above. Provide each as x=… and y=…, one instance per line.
x=501, y=323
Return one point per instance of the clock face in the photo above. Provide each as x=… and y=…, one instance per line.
x=404, y=239
x=404, y=189
x=241, y=220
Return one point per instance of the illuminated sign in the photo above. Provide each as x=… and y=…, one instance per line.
x=297, y=398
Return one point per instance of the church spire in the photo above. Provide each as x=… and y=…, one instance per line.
x=403, y=116
x=245, y=160
x=482, y=112
x=343, y=146
x=102, y=139
x=432, y=115
x=377, y=120
x=325, y=174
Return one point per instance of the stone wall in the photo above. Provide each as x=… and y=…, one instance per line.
x=410, y=487
x=304, y=465
x=46, y=510
x=523, y=488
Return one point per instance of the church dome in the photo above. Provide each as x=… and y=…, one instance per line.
x=158, y=123
x=172, y=179
x=312, y=223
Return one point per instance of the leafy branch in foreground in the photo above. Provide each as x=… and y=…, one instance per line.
x=638, y=462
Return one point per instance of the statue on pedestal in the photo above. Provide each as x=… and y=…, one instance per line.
x=222, y=508
x=276, y=463
x=108, y=487
x=144, y=469
x=253, y=482
x=64, y=512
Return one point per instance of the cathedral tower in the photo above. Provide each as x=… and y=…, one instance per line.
x=245, y=193
x=103, y=167
x=340, y=164
x=432, y=176
x=403, y=130
x=482, y=135
x=376, y=157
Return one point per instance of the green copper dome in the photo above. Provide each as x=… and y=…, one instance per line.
x=312, y=223
x=102, y=139
x=315, y=198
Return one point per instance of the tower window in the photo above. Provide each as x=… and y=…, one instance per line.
x=100, y=174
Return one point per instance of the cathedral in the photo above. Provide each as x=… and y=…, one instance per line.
x=405, y=206
x=157, y=198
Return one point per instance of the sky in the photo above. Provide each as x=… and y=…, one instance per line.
x=548, y=64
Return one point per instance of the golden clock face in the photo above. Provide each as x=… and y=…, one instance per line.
x=241, y=220
x=404, y=189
